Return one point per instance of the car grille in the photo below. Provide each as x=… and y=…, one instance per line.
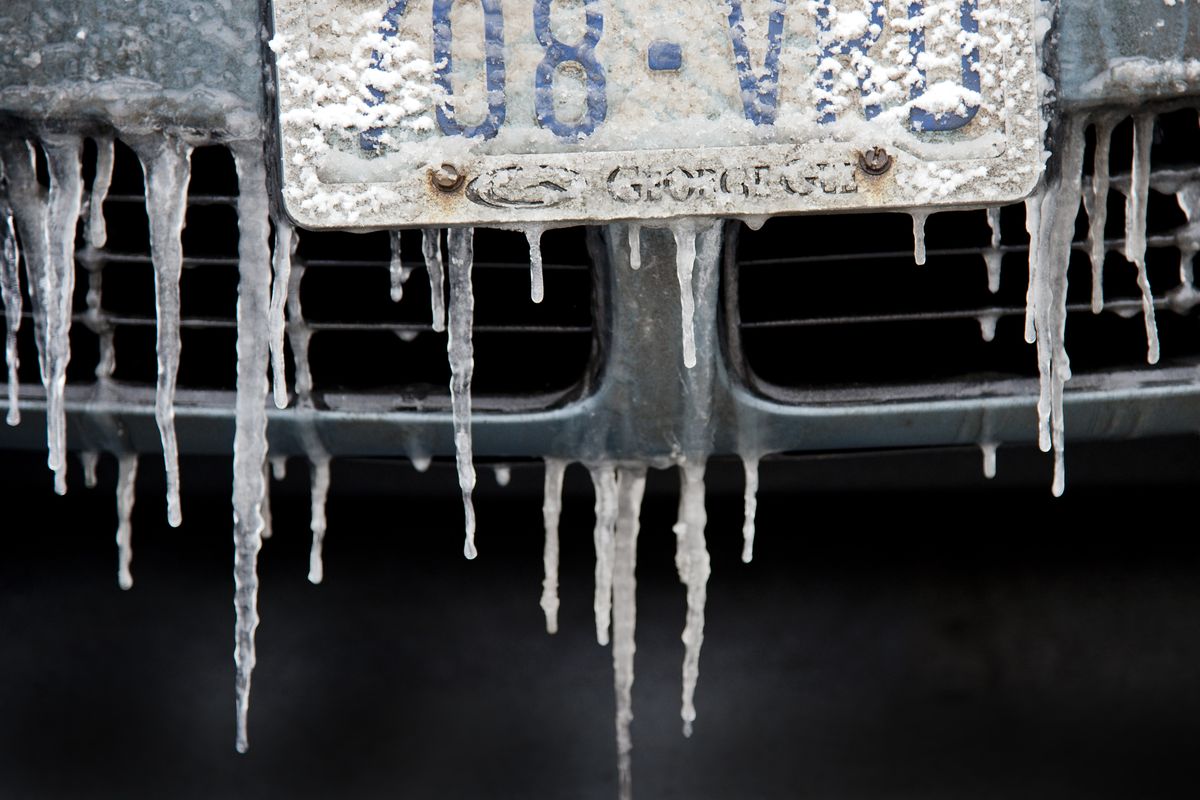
x=844, y=299
x=363, y=344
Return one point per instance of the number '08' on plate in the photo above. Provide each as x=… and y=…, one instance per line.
x=396, y=113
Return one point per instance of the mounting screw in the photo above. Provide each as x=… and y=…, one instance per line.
x=446, y=178
x=875, y=161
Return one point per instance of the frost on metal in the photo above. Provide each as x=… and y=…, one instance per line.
x=770, y=112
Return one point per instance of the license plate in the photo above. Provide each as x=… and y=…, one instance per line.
x=397, y=113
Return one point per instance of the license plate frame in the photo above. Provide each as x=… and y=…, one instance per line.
x=368, y=137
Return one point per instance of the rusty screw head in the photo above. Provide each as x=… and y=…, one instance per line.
x=446, y=178
x=875, y=161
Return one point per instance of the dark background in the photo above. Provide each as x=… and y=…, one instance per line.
x=906, y=630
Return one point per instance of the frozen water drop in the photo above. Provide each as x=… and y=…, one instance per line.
x=635, y=246
x=918, y=220
x=127, y=464
x=989, y=459
x=397, y=272
x=537, y=289
x=503, y=474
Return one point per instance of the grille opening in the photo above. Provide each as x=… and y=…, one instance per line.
x=363, y=341
x=522, y=348
x=842, y=295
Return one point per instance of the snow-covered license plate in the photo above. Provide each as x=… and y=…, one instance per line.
x=399, y=113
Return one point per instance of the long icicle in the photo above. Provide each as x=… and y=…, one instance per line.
x=250, y=436
x=1096, y=202
x=604, y=482
x=537, y=285
x=127, y=464
x=631, y=486
x=166, y=163
x=1135, y=225
x=397, y=272
x=1059, y=208
x=431, y=249
x=319, y=478
x=692, y=562
x=460, y=244
x=551, y=512
x=64, y=160
x=90, y=459
x=10, y=286
x=1033, y=224
x=685, y=262
x=750, y=507
x=281, y=278
x=97, y=231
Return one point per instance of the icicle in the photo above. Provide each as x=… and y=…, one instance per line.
x=462, y=364
x=10, y=287
x=281, y=268
x=604, y=482
x=750, y=507
x=299, y=335
x=166, y=163
x=685, y=262
x=994, y=257
x=631, y=485
x=64, y=154
x=1188, y=198
x=692, y=562
x=126, y=478
x=421, y=463
x=1135, y=225
x=635, y=246
x=551, y=511
x=1033, y=223
x=97, y=232
x=987, y=326
x=268, y=524
x=278, y=467
x=989, y=459
x=431, y=248
x=537, y=288
x=1059, y=207
x=319, y=478
x=918, y=220
x=503, y=474
x=1096, y=205
x=397, y=272
x=28, y=204
x=90, y=460
x=250, y=436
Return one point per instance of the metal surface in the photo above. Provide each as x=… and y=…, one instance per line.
x=148, y=64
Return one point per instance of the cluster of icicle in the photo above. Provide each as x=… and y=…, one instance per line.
x=44, y=222
x=1050, y=217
